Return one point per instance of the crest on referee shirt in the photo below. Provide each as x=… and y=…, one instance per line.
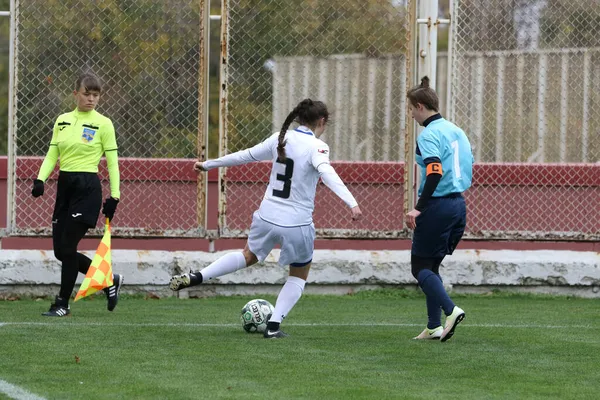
x=88, y=135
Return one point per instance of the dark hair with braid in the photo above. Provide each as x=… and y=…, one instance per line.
x=425, y=95
x=307, y=112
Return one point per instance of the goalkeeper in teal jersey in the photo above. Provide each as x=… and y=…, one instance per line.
x=79, y=138
x=439, y=218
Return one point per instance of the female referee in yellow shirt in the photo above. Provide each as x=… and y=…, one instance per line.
x=80, y=138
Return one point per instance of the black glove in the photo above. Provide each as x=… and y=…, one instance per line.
x=38, y=188
x=109, y=207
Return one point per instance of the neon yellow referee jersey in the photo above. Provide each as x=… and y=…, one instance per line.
x=80, y=139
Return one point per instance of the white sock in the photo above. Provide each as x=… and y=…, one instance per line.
x=227, y=264
x=288, y=297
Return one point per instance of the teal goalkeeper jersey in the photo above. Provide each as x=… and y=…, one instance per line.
x=443, y=140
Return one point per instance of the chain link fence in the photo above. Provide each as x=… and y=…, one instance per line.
x=525, y=87
x=148, y=55
x=351, y=54
x=525, y=82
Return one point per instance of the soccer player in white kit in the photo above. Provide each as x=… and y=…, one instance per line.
x=299, y=158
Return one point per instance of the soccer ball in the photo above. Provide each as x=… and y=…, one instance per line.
x=255, y=315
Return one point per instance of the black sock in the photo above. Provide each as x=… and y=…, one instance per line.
x=273, y=326
x=59, y=301
x=66, y=237
x=68, y=275
x=195, y=278
x=83, y=263
x=432, y=286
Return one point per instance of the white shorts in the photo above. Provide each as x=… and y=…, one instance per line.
x=297, y=242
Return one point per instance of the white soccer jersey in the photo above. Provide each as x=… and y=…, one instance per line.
x=290, y=196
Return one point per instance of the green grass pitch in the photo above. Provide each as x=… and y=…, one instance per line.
x=341, y=347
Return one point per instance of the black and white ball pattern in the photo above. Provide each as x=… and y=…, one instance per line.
x=255, y=315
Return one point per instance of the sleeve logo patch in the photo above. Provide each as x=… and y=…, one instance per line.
x=63, y=125
x=324, y=151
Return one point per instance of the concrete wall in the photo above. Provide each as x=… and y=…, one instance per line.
x=36, y=273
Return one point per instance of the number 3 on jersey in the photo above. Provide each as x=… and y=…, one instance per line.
x=286, y=178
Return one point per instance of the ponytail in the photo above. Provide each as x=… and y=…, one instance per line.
x=307, y=112
x=281, y=139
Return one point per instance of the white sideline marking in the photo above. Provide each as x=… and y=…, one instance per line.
x=15, y=392
x=382, y=324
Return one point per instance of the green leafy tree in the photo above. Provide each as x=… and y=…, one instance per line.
x=145, y=51
x=261, y=30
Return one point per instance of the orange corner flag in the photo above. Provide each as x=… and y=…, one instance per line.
x=99, y=276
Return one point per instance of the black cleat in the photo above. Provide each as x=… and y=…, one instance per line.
x=183, y=281
x=59, y=308
x=179, y=282
x=278, y=334
x=112, y=292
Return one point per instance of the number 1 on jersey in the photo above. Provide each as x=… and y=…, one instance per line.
x=286, y=178
x=456, y=159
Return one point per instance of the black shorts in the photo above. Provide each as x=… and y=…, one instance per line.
x=78, y=198
x=440, y=227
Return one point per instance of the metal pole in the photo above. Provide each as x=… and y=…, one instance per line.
x=203, y=110
x=409, y=143
x=428, y=26
x=450, y=62
x=12, y=118
x=223, y=112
